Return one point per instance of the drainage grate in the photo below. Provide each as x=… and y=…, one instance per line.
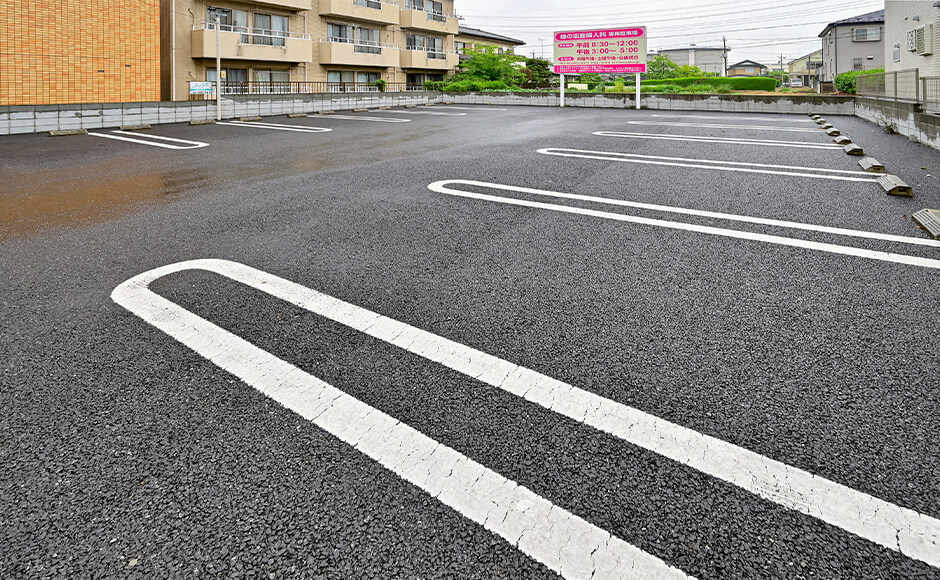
x=929, y=219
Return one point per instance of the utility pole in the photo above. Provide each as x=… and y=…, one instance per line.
x=218, y=68
x=724, y=56
x=541, y=48
x=781, y=71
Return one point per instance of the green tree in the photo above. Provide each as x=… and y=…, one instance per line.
x=662, y=67
x=686, y=71
x=538, y=71
x=487, y=64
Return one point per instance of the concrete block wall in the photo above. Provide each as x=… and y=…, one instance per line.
x=903, y=117
x=42, y=118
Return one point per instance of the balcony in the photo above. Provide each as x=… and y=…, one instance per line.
x=429, y=21
x=295, y=5
x=379, y=11
x=239, y=43
x=429, y=59
x=348, y=52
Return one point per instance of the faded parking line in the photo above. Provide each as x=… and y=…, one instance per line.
x=357, y=118
x=275, y=126
x=726, y=118
x=426, y=113
x=717, y=126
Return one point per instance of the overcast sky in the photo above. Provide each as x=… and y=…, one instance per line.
x=759, y=30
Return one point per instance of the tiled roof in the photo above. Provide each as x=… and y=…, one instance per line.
x=467, y=31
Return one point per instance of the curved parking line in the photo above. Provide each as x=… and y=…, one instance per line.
x=812, y=172
x=560, y=540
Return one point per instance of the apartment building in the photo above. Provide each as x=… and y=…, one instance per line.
x=469, y=38
x=306, y=45
x=707, y=59
x=912, y=31
x=853, y=44
x=79, y=51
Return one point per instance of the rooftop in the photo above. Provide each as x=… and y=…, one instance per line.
x=877, y=16
x=476, y=32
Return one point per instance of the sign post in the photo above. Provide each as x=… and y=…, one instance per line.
x=605, y=50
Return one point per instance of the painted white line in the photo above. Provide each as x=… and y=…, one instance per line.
x=728, y=118
x=721, y=140
x=716, y=126
x=145, y=140
x=440, y=187
x=544, y=531
x=354, y=118
x=426, y=113
x=276, y=127
x=701, y=164
x=537, y=527
x=444, y=187
x=480, y=108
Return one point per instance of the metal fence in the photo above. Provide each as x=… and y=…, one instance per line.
x=902, y=85
x=303, y=88
x=930, y=92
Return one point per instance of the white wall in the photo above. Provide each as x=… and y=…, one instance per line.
x=899, y=20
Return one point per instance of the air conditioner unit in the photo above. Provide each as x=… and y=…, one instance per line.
x=920, y=40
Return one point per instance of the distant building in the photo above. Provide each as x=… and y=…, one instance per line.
x=806, y=69
x=912, y=30
x=747, y=68
x=470, y=37
x=708, y=59
x=854, y=44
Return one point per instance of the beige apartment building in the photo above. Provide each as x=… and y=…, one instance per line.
x=912, y=31
x=306, y=45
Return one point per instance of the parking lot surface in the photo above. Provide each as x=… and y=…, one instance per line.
x=469, y=341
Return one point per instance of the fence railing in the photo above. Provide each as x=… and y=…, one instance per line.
x=930, y=94
x=902, y=85
x=302, y=88
x=254, y=35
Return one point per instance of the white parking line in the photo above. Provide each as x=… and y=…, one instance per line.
x=276, y=127
x=813, y=172
x=426, y=113
x=480, y=108
x=144, y=139
x=795, y=119
x=721, y=140
x=444, y=187
x=562, y=541
x=355, y=118
x=716, y=126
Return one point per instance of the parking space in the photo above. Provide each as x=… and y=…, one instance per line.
x=503, y=342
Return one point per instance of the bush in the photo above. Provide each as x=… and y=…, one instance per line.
x=434, y=85
x=733, y=83
x=380, y=84
x=845, y=82
x=472, y=85
x=620, y=86
x=600, y=87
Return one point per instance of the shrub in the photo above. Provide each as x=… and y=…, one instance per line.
x=845, y=82
x=472, y=85
x=600, y=87
x=733, y=83
x=380, y=84
x=619, y=86
x=434, y=85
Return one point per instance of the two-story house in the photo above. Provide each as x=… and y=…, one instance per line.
x=853, y=44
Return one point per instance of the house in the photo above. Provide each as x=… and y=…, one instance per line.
x=470, y=37
x=708, y=59
x=853, y=44
x=912, y=32
x=747, y=68
x=806, y=69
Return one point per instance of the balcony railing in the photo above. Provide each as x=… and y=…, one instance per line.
x=363, y=46
x=259, y=36
x=437, y=53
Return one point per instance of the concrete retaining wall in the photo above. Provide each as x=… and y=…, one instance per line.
x=907, y=119
x=825, y=105
x=42, y=118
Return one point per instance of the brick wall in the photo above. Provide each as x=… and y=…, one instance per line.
x=79, y=51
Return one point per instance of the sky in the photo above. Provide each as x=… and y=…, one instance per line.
x=759, y=30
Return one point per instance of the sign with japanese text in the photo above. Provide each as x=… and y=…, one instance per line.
x=606, y=50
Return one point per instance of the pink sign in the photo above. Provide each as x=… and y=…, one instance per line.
x=606, y=50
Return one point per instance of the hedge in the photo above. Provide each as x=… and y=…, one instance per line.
x=845, y=82
x=733, y=83
x=468, y=85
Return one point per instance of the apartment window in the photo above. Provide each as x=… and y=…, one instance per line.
x=367, y=41
x=339, y=33
x=435, y=10
x=414, y=5
x=434, y=46
x=460, y=47
x=270, y=29
x=233, y=20
x=369, y=4
x=866, y=34
x=897, y=52
x=857, y=64
x=368, y=77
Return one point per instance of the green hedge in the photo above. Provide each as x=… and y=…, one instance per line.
x=845, y=82
x=471, y=85
x=733, y=83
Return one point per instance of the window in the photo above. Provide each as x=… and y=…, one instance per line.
x=235, y=80
x=339, y=33
x=460, y=47
x=347, y=81
x=367, y=41
x=433, y=45
x=230, y=20
x=857, y=64
x=897, y=52
x=866, y=34
x=749, y=70
x=435, y=10
x=368, y=4
x=414, y=5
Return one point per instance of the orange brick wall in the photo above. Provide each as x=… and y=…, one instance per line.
x=79, y=51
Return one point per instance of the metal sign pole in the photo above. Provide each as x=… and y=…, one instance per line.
x=218, y=69
x=637, y=90
x=562, y=89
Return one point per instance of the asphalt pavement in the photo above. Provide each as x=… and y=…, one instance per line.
x=599, y=262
